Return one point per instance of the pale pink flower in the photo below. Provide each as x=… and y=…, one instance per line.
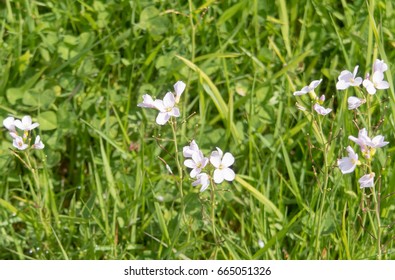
x=367, y=181
x=222, y=162
x=202, y=179
x=26, y=124
x=354, y=102
x=179, y=88
x=167, y=109
x=321, y=110
x=348, y=164
x=308, y=88
x=347, y=79
x=148, y=102
x=19, y=144
x=197, y=163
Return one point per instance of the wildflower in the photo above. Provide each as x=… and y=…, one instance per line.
x=346, y=79
x=222, y=164
x=367, y=181
x=321, y=110
x=179, y=88
x=354, y=102
x=368, y=146
x=9, y=124
x=19, y=144
x=309, y=88
x=202, y=179
x=26, y=124
x=189, y=150
x=375, y=83
x=379, y=66
x=197, y=163
x=148, y=102
x=166, y=108
x=348, y=164
x=261, y=244
x=38, y=144
x=377, y=142
x=362, y=139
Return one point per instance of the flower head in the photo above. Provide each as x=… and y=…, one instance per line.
x=19, y=144
x=38, y=144
x=197, y=163
x=367, y=181
x=348, y=164
x=347, y=79
x=202, y=179
x=377, y=82
x=26, y=124
x=379, y=66
x=222, y=162
x=378, y=142
x=308, y=88
x=166, y=108
x=363, y=140
x=321, y=110
x=189, y=150
x=179, y=88
x=148, y=102
x=9, y=124
x=354, y=102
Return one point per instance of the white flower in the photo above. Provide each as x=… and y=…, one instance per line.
x=222, y=164
x=19, y=144
x=367, y=181
x=261, y=244
x=189, y=150
x=9, y=124
x=148, y=102
x=354, y=102
x=363, y=140
x=377, y=142
x=179, y=88
x=348, y=164
x=321, y=110
x=26, y=124
x=166, y=108
x=375, y=83
x=380, y=66
x=197, y=163
x=308, y=88
x=38, y=144
x=346, y=79
x=202, y=179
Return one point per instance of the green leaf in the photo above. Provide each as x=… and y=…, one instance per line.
x=48, y=120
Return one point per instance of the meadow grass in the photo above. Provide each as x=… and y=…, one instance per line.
x=101, y=189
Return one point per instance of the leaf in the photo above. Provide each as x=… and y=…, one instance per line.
x=14, y=94
x=48, y=120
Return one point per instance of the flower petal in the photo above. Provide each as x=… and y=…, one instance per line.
x=228, y=160
x=218, y=176
x=162, y=118
x=228, y=174
x=169, y=100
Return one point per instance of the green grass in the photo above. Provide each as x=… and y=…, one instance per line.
x=100, y=190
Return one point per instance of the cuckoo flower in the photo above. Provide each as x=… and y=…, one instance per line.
x=148, y=102
x=197, y=163
x=38, y=144
x=19, y=144
x=321, y=110
x=222, y=162
x=348, y=164
x=347, y=79
x=202, y=179
x=354, y=102
x=377, y=82
x=166, y=108
x=26, y=124
x=187, y=151
x=179, y=88
x=309, y=88
x=367, y=181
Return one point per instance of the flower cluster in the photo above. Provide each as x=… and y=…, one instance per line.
x=26, y=125
x=197, y=162
x=368, y=148
x=166, y=107
x=370, y=83
x=317, y=101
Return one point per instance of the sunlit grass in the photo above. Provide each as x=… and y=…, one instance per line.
x=81, y=67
